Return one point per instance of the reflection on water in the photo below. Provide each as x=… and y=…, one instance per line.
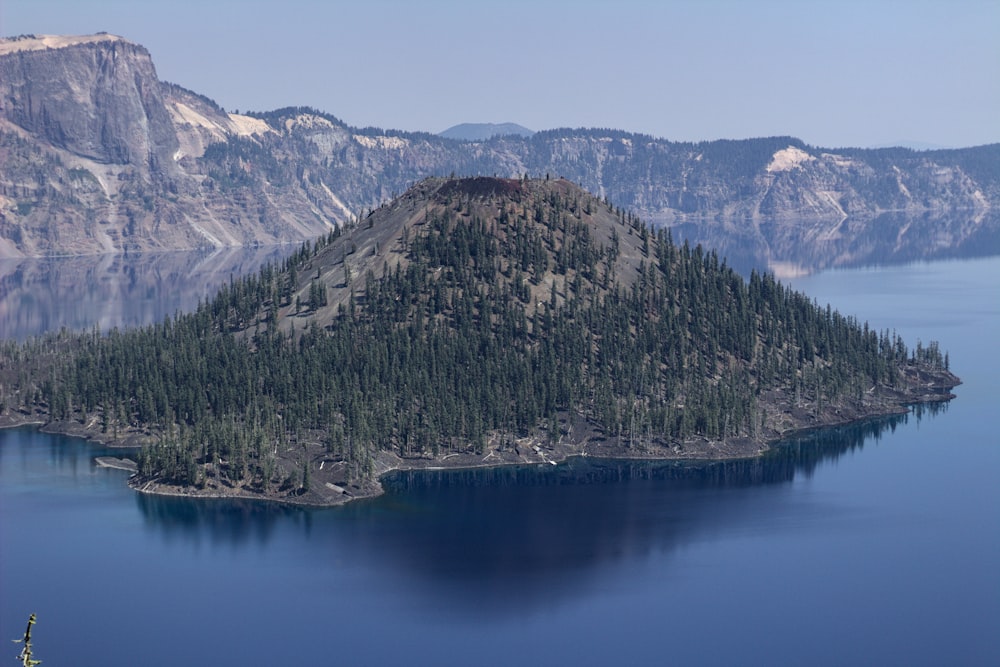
x=692, y=563
x=888, y=239
x=503, y=539
x=47, y=294
x=232, y=522
x=800, y=454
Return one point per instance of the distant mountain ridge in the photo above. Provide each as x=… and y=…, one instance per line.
x=98, y=155
x=912, y=145
x=484, y=131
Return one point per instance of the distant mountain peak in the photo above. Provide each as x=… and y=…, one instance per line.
x=484, y=131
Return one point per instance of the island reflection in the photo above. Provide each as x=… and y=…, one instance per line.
x=484, y=541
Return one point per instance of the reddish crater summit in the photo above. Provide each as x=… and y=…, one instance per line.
x=482, y=186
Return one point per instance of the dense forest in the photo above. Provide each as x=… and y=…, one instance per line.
x=462, y=319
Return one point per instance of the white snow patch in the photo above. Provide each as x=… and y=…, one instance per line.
x=788, y=159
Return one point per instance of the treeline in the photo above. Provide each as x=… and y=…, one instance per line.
x=492, y=328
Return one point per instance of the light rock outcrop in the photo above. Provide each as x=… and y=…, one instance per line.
x=98, y=155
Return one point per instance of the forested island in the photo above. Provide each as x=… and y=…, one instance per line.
x=469, y=322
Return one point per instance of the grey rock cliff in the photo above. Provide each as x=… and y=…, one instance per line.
x=98, y=155
x=99, y=100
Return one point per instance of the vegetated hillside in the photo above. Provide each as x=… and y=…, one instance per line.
x=469, y=322
x=98, y=155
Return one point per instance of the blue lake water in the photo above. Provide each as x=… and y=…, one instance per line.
x=874, y=544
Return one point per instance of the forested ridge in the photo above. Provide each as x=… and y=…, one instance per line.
x=473, y=321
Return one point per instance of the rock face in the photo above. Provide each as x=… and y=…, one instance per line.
x=99, y=100
x=98, y=155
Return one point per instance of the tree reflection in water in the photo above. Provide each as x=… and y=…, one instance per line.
x=494, y=539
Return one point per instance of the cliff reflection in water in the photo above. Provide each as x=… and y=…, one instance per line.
x=888, y=239
x=46, y=294
x=486, y=540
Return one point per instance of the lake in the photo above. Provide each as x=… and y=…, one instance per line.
x=877, y=543
x=105, y=291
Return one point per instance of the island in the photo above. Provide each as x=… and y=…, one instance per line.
x=468, y=322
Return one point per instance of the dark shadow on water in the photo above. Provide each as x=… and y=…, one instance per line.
x=499, y=540
x=510, y=537
x=218, y=521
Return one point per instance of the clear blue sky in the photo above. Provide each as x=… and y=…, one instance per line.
x=833, y=73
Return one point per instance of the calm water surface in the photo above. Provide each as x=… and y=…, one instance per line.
x=876, y=544
x=106, y=291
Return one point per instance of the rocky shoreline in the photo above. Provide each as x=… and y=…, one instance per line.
x=330, y=486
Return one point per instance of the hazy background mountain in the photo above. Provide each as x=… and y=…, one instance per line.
x=913, y=145
x=483, y=131
x=98, y=155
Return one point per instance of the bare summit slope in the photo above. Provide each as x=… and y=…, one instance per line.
x=514, y=211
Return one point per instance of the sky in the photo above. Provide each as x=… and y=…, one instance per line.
x=832, y=73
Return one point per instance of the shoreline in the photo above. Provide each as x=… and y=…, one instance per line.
x=584, y=440
x=704, y=450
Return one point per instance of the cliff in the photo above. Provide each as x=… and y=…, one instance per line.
x=98, y=155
